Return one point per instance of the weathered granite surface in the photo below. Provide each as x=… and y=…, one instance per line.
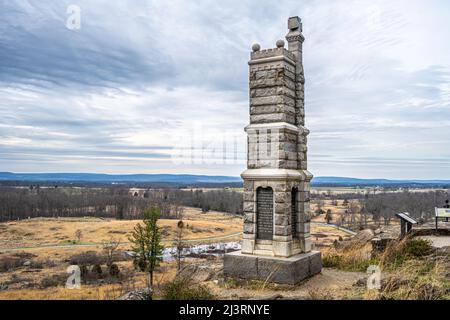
x=290, y=270
x=277, y=150
x=276, y=243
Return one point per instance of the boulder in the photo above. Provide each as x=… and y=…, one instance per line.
x=197, y=273
x=144, y=294
x=359, y=240
x=361, y=282
x=268, y=297
x=364, y=236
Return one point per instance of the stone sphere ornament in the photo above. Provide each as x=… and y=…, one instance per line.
x=256, y=47
x=280, y=44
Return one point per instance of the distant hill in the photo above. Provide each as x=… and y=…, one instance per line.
x=199, y=179
x=110, y=178
x=341, y=181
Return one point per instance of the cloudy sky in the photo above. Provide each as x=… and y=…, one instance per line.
x=143, y=85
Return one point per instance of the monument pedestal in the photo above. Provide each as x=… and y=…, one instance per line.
x=290, y=270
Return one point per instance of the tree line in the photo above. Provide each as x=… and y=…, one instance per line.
x=112, y=202
x=420, y=205
x=380, y=208
x=118, y=202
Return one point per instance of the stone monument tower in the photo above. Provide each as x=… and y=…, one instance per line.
x=276, y=244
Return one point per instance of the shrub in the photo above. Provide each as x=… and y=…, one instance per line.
x=25, y=255
x=54, y=280
x=10, y=263
x=37, y=264
x=86, y=259
x=184, y=288
x=350, y=259
x=114, y=270
x=397, y=253
x=357, y=258
x=417, y=280
x=418, y=247
x=16, y=279
x=41, y=264
x=97, y=269
x=84, y=271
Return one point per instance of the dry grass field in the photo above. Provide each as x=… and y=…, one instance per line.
x=62, y=231
x=48, y=245
x=323, y=236
x=34, y=284
x=48, y=232
x=35, y=255
x=341, y=214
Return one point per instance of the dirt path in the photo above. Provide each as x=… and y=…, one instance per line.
x=334, y=226
x=330, y=283
x=438, y=241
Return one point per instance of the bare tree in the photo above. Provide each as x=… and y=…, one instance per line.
x=113, y=202
x=179, y=244
x=319, y=206
x=354, y=208
x=177, y=211
x=78, y=235
x=109, y=248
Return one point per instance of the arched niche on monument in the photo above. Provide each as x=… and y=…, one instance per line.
x=264, y=213
x=294, y=212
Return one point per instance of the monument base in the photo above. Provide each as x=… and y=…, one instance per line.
x=273, y=269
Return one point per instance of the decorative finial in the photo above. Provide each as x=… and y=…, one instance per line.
x=295, y=23
x=280, y=44
x=256, y=47
x=295, y=36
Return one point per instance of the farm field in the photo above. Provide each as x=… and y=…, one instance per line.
x=62, y=231
x=39, y=272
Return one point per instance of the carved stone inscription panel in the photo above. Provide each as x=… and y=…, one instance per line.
x=264, y=207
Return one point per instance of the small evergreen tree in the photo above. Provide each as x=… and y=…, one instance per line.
x=146, y=243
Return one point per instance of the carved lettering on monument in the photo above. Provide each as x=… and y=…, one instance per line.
x=264, y=213
x=294, y=212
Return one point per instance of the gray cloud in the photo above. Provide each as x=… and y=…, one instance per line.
x=37, y=49
x=140, y=76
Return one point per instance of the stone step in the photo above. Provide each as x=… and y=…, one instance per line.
x=263, y=247
x=263, y=253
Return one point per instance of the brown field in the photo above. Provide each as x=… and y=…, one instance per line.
x=50, y=231
x=39, y=232
x=52, y=243
x=30, y=282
